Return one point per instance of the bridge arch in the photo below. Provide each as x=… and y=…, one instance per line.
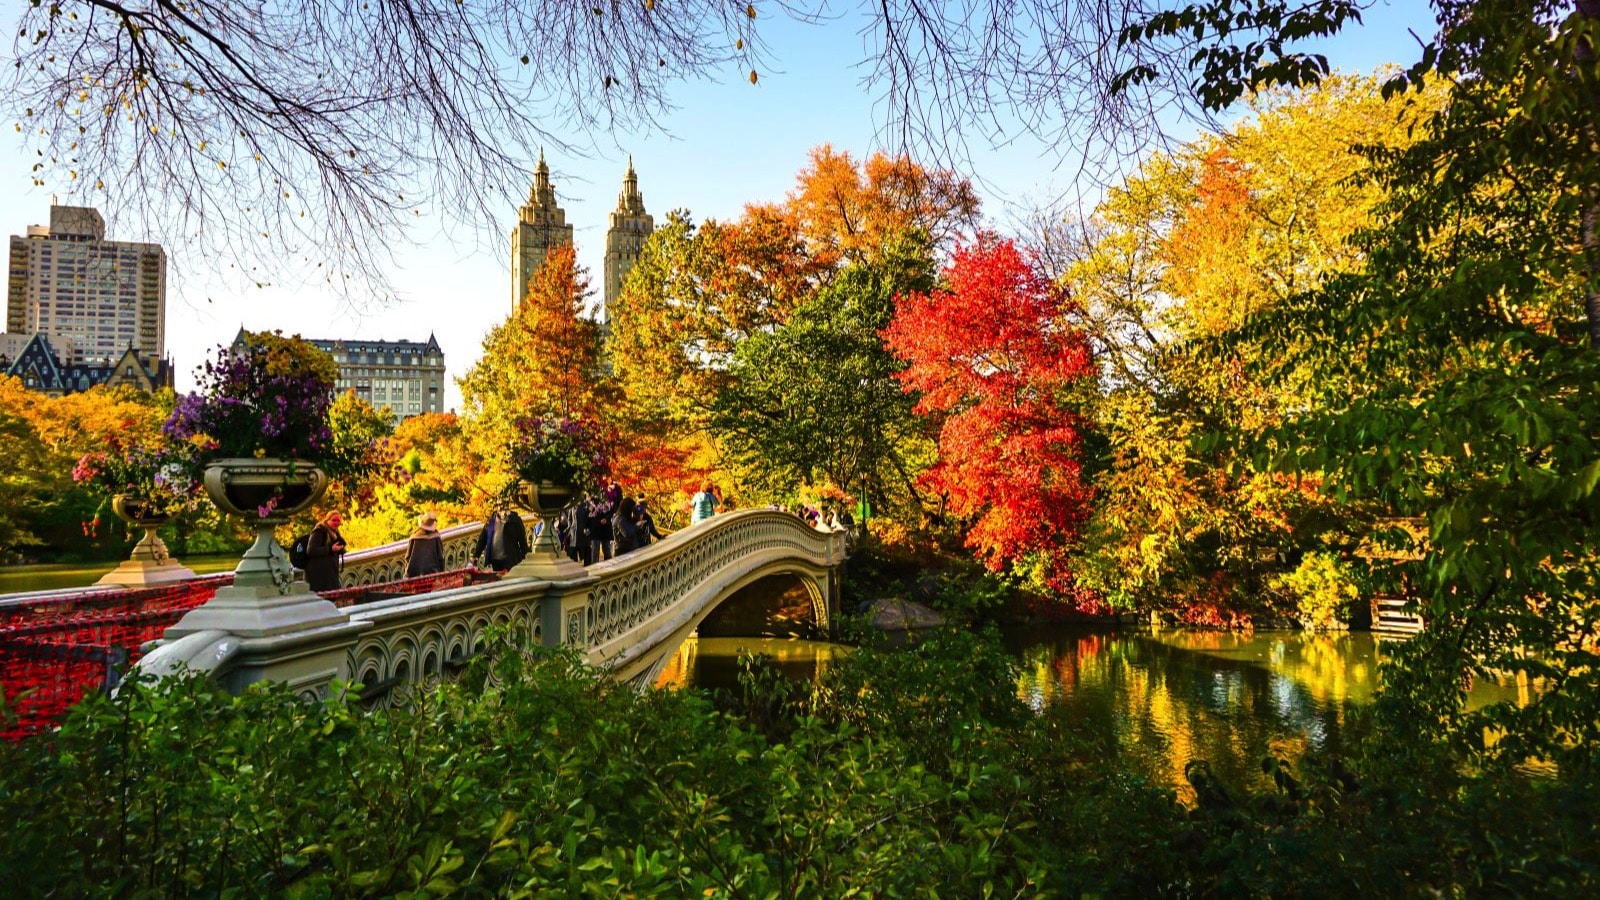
x=694, y=572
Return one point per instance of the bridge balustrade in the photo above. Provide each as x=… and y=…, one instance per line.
x=628, y=614
x=377, y=565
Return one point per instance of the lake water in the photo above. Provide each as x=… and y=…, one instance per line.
x=1165, y=697
x=52, y=576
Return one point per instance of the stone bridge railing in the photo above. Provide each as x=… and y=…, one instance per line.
x=376, y=565
x=630, y=613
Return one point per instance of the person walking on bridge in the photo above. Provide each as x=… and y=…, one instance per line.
x=704, y=504
x=325, y=554
x=504, y=540
x=425, y=550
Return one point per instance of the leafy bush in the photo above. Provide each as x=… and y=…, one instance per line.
x=916, y=772
x=1322, y=590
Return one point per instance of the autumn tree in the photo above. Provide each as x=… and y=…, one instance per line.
x=816, y=400
x=47, y=436
x=855, y=213
x=693, y=295
x=429, y=466
x=697, y=292
x=543, y=360
x=1193, y=245
x=27, y=482
x=995, y=354
x=359, y=432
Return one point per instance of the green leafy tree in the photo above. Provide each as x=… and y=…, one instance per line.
x=816, y=400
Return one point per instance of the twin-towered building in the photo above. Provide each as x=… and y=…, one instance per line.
x=83, y=311
x=542, y=226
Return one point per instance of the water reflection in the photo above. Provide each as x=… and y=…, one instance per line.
x=1167, y=697
x=713, y=662
x=1162, y=698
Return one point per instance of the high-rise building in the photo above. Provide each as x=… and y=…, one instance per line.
x=104, y=297
x=630, y=227
x=541, y=226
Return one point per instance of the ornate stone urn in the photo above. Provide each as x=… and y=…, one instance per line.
x=265, y=597
x=548, y=501
x=150, y=562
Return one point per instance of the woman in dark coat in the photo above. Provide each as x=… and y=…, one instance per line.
x=425, y=551
x=325, y=554
x=624, y=531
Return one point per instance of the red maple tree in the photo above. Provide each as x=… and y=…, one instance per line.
x=995, y=355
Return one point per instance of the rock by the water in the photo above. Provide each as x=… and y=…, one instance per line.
x=898, y=614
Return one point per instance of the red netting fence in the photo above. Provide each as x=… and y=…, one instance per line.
x=56, y=649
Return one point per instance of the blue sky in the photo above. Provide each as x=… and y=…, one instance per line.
x=727, y=143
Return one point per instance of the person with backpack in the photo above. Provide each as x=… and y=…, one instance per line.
x=704, y=504
x=425, y=550
x=325, y=554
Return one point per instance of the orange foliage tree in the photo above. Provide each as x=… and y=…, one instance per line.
x=995, y=356
x=851, y=213
x=542, y=361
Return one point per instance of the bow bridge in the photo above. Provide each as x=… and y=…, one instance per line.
x=628, y=615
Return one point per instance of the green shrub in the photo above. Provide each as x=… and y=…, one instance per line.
x=1320, y=591
x=913, y=772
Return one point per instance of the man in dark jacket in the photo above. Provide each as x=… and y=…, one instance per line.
x=647, y=523
x=503, y=542
x=511, y=544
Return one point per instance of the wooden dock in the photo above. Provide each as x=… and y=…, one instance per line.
x=1389, y=616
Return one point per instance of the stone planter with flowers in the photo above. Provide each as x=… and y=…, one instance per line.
x=260, y=444
x=146, y=487
x=554, y=460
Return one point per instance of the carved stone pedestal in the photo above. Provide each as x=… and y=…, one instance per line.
x=150, y=562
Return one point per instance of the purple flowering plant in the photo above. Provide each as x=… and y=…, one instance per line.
x=153, y=473
x=268, y=397
x=561, y=451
